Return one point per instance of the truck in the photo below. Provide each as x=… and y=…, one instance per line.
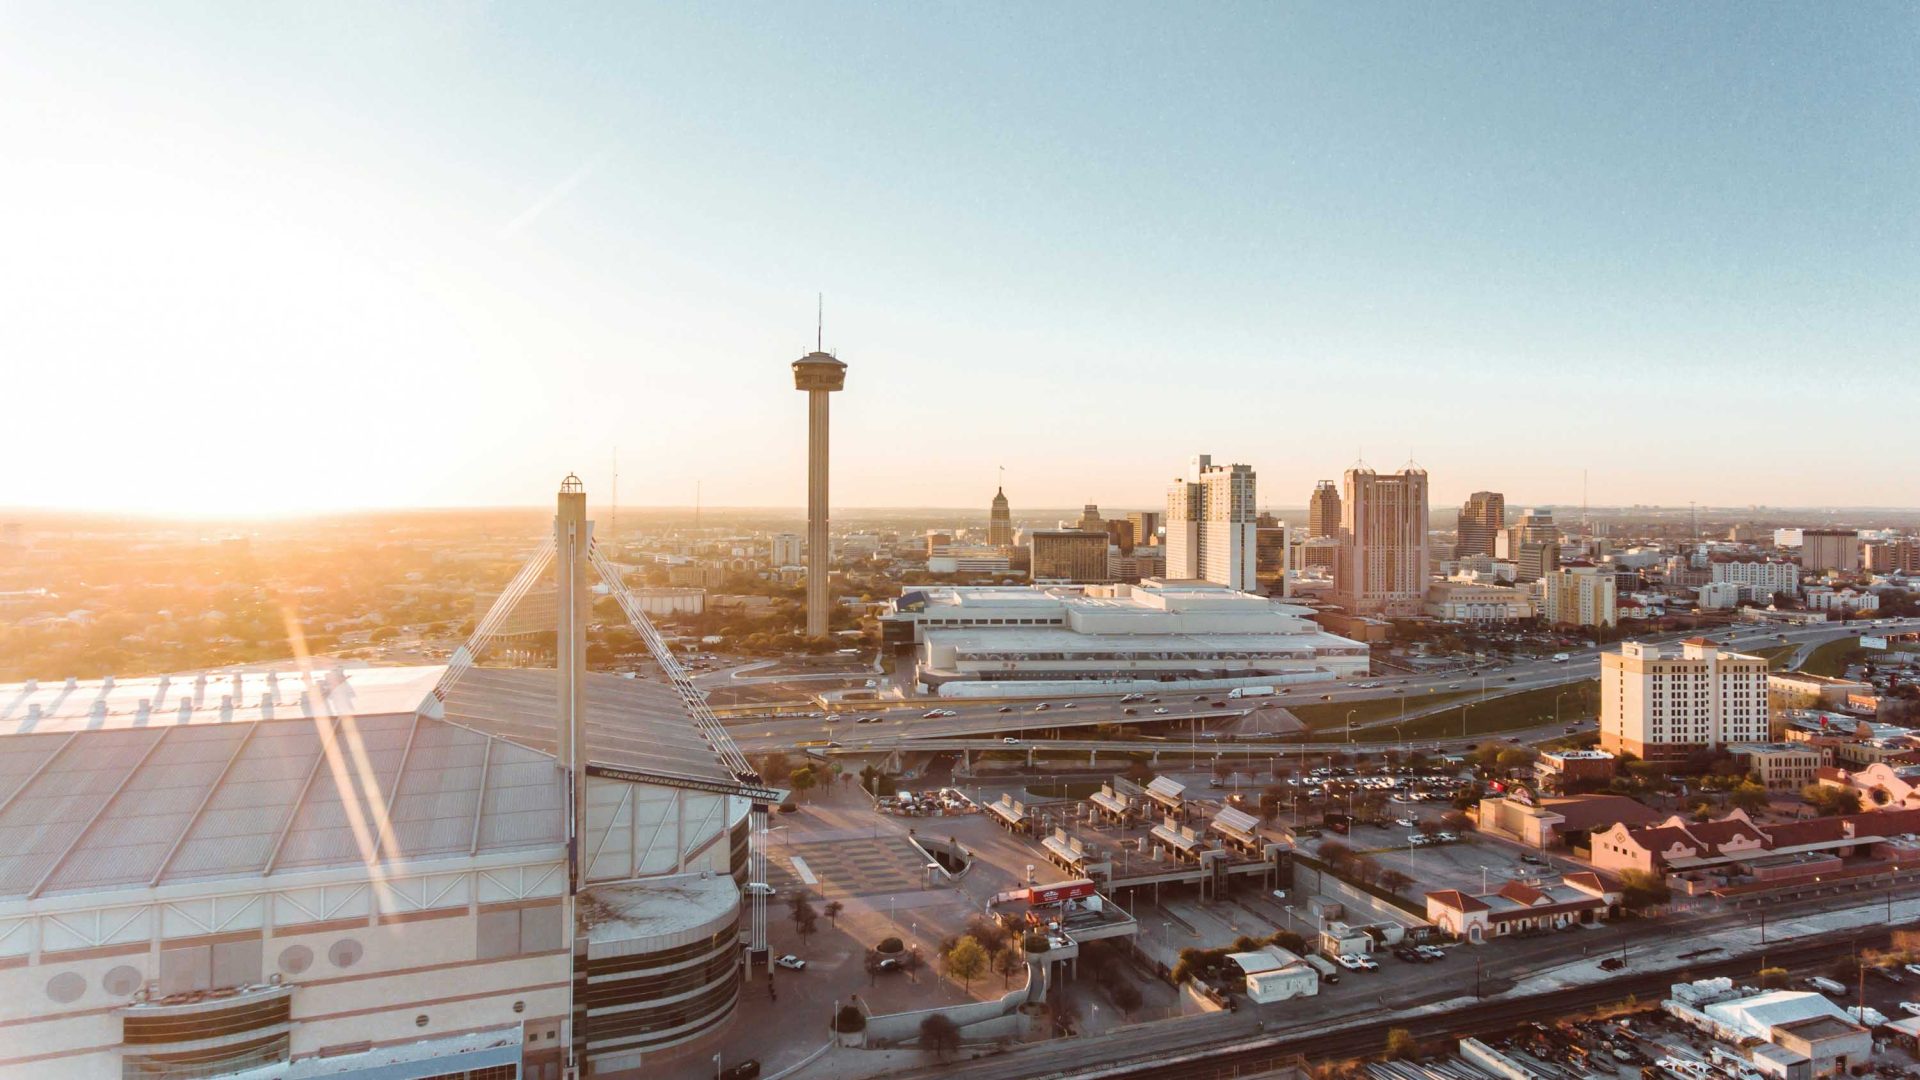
x=1250, y=691
x=1561, y=658
x=1328, y=972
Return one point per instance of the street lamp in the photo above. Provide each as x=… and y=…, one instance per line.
x=1350, y=713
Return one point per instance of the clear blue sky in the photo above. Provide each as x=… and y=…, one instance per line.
x=272, y=257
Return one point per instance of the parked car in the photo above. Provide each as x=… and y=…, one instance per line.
x=1351, y=963
x=759, y=888
x=792, y=963
x=745, y=1070
x=1911, y=1008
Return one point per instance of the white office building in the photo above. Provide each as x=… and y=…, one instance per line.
x=975, y=641
x=1757, y=579
x=1662, y=702
x=1211, y=525
x=786, y=549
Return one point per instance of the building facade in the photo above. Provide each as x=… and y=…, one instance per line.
x=1067, y=556
x=1475, y=602
x=1758, y=579
x=1481, y=519
x=1580, y=596
x=786, y=550
x=1829, y=549
x=1211, y=525
x=1323, y=511
x=1661, y=703
x=1000, y=521
x=1381, y=568
x=972, y=640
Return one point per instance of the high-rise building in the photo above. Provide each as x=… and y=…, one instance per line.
x=1090, y=520
x=1000, y=521
x=1534, y=561
x=1068, y=556
x=1270, y=552
x=1120, y=533
x=1146, y=527
x=1210, y=525
x=1829, y=549
x=1483, y=516
x=1323, y=511
x=939, y=541
x=818, y=374
x=786, y=550
x=1891, y=556
x=1579, y=596
x=1660, y=704
x=1381, y=567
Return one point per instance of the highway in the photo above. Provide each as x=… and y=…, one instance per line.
x=905, y=721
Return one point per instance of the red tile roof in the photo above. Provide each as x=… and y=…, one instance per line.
x=1600, y=811
x=1521, y=893
x=1457, y=900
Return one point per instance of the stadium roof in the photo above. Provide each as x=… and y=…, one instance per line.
x=295, y=772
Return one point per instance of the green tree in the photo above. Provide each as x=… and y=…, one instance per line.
x=1773, y=978
x=967, y=961
x=850, y=1019
x=1749, y=796
x=802, y=780
x=833, y=910
x=1401, y=1044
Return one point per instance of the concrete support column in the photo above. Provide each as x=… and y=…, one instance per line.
x=817, y=539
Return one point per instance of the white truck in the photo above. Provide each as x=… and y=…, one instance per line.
x=1328, y=973
x=1561, y=658
x=1250, y=691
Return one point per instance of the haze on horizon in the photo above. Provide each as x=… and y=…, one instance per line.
x=284, y=259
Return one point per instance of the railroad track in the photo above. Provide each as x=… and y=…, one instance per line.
x=1479, y=1019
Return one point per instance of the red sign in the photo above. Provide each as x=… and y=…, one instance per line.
x=1054, y=894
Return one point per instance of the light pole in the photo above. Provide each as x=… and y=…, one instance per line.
x=1463, y=717
x=1556, y=704
x=1350, y=713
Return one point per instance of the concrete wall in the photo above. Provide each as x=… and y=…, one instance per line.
x=979, y=1021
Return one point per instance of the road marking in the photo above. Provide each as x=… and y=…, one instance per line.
x=805, y=875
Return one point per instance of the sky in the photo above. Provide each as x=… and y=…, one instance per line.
x=278, y=258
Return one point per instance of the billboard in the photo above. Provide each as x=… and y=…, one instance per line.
x=1058, y=892
x=1869, y=642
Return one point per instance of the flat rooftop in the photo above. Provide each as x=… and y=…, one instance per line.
x=1042, y=638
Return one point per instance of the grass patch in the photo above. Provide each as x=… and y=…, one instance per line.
x=1776, y=656
x=1334, y=713
x=1831, y=658
x=1514, y=712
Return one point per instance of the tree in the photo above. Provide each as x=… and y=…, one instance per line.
x=939, y=1034
x=1393, y=880
x=833, y=910
x=803, y=780
x=1124, y=995
x=988, y=932
x=850, y=1019
x=1831, y=801
x=967, y=961
x=1640, y=890
x=1773, y=978
x=1749, y=796
x=1008, y=961
x=800, y=909
x=775, y=768
x=875, y=962
x=1401, y=1044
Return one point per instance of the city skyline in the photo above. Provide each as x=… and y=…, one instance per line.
x=427, y=243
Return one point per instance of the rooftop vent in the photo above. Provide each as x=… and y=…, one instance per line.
x=32, y=685
x=106, y=683
x=72, y=682
x=33, y=714
x=186, y=709
x=144, y=710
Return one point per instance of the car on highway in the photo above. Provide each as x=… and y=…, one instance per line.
x=1071, y=705
x=1219, y=704
x=868, y=720
x=1131, y=711
x=791, y=963
x=1161, y=711
x=930, y=714
x=1453, y=686
x=1200, y=697
x=1010, y=740
x=1006, y=708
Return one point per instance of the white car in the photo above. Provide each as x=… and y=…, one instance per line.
x=792, y=963
x=759, y=888
x=1911, y=1008
x=1351, y=963
x=1010, y=740
x=1913, y=969
x=1161, y=711
x=1405, y=822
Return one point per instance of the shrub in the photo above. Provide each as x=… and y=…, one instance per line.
x=850, y=1019
x=889, y=945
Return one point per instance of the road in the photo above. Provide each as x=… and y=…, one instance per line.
x=904, y=721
